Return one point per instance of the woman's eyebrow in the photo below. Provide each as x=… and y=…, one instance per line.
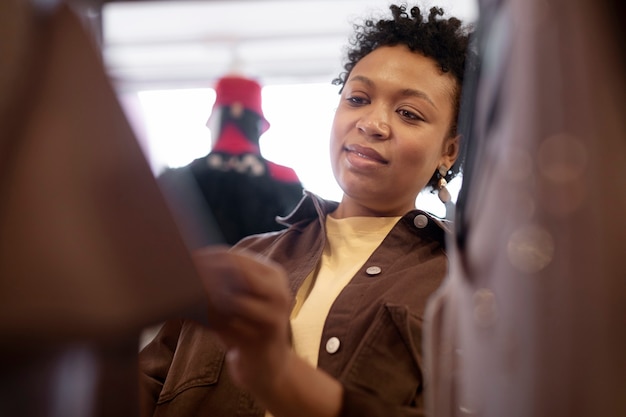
x=409, y=92
x=362, y=79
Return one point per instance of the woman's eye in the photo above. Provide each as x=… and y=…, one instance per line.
x=410, y=115
x=356, y=100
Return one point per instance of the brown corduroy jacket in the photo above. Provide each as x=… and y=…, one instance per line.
x=375, y=325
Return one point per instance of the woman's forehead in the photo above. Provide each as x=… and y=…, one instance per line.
x=398, y=68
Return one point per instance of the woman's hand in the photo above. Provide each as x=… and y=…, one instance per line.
x=249, y=307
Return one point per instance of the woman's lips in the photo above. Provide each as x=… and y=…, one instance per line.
x=366, y=153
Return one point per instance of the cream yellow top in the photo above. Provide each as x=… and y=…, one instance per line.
x=349, y=243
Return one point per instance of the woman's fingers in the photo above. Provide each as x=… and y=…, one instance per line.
x=243, y=286
x=252, y=322
x=249, y=310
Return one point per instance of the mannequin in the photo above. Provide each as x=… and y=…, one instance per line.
x=238, y=191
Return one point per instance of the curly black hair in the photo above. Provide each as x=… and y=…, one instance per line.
x=445, y=40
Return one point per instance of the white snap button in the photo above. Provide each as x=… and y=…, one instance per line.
x=332, y=345
x=420, y=221
x=373, y=270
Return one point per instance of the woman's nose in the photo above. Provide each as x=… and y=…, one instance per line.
x=374, y=124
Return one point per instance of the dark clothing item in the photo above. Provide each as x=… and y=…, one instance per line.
x=221, y=198
x=376, y=320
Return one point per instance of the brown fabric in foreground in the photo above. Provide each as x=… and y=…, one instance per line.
x=89, y=253
x=88, y=247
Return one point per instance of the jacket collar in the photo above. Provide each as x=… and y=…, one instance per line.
x=312, y=206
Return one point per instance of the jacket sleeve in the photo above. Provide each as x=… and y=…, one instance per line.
x=154, y=363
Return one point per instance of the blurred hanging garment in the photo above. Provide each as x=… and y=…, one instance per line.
x=89, y=251
x=530, y=321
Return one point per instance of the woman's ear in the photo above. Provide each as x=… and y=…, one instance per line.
x=450, y=151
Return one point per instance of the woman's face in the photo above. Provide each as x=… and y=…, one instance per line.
x=390, y=131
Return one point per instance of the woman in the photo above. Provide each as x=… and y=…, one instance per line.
x=324, y=318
